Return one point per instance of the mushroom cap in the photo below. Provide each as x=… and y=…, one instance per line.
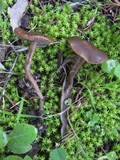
x=31, y=36
x=87, y=51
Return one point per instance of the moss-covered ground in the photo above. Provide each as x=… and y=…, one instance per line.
x=94, y=116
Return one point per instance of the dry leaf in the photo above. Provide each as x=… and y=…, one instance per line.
x=16, y=12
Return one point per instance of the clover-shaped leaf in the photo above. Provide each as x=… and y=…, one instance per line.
x=21, y=137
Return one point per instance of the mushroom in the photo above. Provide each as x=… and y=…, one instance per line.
x=85, y=52
x=35, y=39
x=42, y=40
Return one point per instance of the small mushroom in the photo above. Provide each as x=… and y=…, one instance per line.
x=35, y=39
x=85, y=52
x=41, y=39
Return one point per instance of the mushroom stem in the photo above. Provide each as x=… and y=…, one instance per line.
x=29, y=75
x=73, y=73
x=67, y=93
x=67, y=60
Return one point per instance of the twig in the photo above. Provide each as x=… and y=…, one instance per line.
x=9, y=76
x=13, y=103
x=116, y=3
x=58, y=114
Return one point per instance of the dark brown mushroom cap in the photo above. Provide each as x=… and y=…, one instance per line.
x=87, y=51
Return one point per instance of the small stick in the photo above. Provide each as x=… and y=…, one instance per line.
x=8, y=78
x=30, y=77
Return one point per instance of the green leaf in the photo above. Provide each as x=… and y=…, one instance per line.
x=17, y=158
x=27, y=158
x=3, y=138
x=94, y=119
x=68, y=101
x=109, y=66
x=117, y=71
x=111, y=156
x=1, y=5
x=115, y=132
x=89, y=114
x=20, y=149
x=21, y=137
x=13, y=158
x=58, y=154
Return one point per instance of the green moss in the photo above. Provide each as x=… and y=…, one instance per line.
x=96, y=121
